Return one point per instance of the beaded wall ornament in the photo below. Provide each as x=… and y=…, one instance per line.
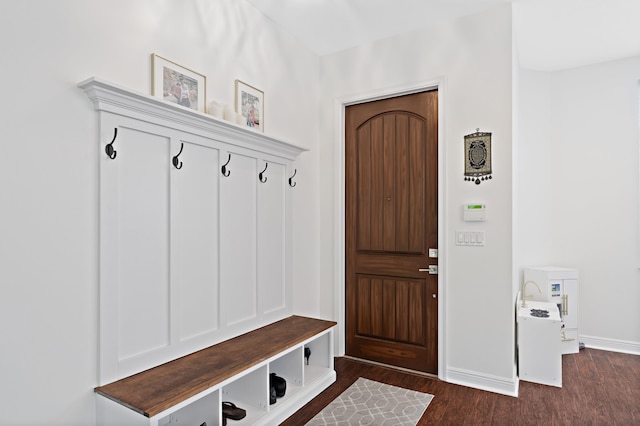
x=477, y=157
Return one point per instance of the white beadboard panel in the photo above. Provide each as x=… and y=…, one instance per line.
x=194, y=238
x=143, y=240
x=272, y=239
x=238, y=209
x=188, y=257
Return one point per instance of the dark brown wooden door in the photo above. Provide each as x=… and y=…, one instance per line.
x=391, y=164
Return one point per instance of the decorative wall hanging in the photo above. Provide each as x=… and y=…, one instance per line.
x=250, y=105
x=477, y=157
x=177, y=84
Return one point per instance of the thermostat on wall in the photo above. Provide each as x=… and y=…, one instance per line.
x=473, y=212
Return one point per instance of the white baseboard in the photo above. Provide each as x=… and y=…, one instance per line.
x=473, y=379
x=612, y=345
x=508, y=386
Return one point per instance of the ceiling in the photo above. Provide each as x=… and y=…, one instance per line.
x=550, y=34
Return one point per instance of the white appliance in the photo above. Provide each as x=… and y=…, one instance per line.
x=539, y=352
x=559, y=286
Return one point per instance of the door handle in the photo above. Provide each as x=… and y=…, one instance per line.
x=432, y=269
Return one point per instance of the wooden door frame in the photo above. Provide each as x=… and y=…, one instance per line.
x=340, y=105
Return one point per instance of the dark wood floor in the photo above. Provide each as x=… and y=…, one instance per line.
x=599, y=388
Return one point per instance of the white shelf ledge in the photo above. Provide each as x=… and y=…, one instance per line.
x=115, y=99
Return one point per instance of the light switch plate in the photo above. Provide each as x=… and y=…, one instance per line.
x=470, y=238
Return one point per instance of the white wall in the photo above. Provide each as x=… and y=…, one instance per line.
x=472, y=57
x=533, y=172
x=580, y=172
x=49, y=175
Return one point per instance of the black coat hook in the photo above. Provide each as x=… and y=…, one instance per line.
x=108, y=149
x=177, y=163
x=291, y=182
x=261, y=176
x=224, y=170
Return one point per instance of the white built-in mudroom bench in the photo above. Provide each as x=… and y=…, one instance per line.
x=195, y=297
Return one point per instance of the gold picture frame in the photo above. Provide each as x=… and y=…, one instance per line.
x=177, y=84
x=250, y=104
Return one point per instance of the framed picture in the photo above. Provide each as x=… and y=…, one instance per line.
x=177, y=84
x=250, y=104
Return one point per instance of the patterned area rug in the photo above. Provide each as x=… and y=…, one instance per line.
x=367, y=402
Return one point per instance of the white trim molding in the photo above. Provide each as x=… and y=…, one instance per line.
x=613, y=345
x=503, y=385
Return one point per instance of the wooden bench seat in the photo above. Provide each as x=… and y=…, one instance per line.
x=160, y=388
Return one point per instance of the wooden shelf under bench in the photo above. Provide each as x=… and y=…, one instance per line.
x=160, y=388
